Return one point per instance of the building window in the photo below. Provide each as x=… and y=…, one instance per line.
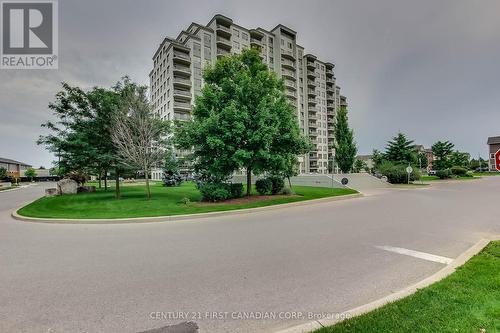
x=197, y=50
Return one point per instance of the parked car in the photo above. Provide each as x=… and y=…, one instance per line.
x=432, y=172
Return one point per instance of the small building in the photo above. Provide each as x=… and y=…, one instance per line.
x=494, y=145
x=368, y=159
x=14, y=168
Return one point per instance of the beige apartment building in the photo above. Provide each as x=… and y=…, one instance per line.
x=310, y=83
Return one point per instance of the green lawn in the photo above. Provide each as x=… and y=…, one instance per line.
x=436, y=178
x=466, y=301
x=164, y=201
x=480, y=174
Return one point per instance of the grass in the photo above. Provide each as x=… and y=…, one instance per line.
x=481, y=174
x=165, y=201
x=466, y=301
x=436, y=178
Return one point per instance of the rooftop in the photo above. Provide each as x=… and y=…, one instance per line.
x=9, y=161
x=492, y=140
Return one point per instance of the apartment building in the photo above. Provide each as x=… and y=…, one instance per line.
x=176, y=77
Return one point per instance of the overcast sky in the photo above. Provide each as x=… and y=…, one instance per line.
x=430, y=69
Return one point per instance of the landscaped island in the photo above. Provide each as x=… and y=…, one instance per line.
x=165, y=201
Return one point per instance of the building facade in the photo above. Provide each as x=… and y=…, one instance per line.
x=14, y=168
x=310, y=83
x=494, y=146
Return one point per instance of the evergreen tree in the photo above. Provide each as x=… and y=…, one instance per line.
x=345, y=147
x=442, y=151
x=400, y=150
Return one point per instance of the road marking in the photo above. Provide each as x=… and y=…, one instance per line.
x=417, y=254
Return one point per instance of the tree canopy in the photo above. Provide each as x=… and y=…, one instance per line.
x=345, y=147
x=242, y=120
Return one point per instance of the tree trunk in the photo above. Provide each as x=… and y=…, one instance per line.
x=249, y=182
x=100, y=178
x=117, y=185
x=289, y=182
x=105, y=180
x=148, y=191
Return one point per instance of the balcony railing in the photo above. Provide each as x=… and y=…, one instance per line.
x=223, y=28
x=179, y=80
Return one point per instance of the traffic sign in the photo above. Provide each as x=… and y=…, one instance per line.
x=409, y=169
x=344, y=181
x=497, y=160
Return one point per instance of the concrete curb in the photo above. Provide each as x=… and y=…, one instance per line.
x=173, y=218
x=441, y=274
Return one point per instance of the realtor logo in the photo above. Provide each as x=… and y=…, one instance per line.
x=29, y=35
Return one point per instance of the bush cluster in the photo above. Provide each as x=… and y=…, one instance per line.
x=270, y=185
x=396, y=173
x=219, y=191
x=443, y=174
x=459, y=171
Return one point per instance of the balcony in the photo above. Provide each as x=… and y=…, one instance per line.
x=223, y=30
x=312, y=116
x=182, y=106
x=288, y=54
x=311, y=101
x=182, y=94
x=288, y=64
x=290, y=84
x=311, y=92
x=313, y=133
x=330, y=97
x=313, y=157
x=311, y=83
x=310, y=65
x=311, y=74
x=329, y=80
x=255, y=42
x=182, y=70
x=181, y=58
x=222, y=52
x=223, y=42
x=289, y=74
x=181, y=82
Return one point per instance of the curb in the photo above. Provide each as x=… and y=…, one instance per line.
x=439, y=275
x=184, y=217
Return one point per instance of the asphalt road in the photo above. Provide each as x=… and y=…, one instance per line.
x=317, y=258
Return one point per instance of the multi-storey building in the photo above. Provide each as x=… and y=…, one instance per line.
x=310, y=83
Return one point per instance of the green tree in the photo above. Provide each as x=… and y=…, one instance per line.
x=359, y=165
x=442, y=151
x=422, y=160
x=400, y=150
x=3, y=173
x=345, y=147
x=81, y=135
x=460, y=159
x=377, y=158
x=30, y=173
x=242, y=120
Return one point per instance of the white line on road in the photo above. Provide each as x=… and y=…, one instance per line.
x=417, y=254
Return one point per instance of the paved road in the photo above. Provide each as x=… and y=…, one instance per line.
x=317, y=258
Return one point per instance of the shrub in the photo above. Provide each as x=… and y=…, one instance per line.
x=287, y=191
x=236, y=190
x=396, y=173
x=185, y=201
x=443, y=174
x=459, y=171
x=214, y=191
x=277, y=184
x=263, y=186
